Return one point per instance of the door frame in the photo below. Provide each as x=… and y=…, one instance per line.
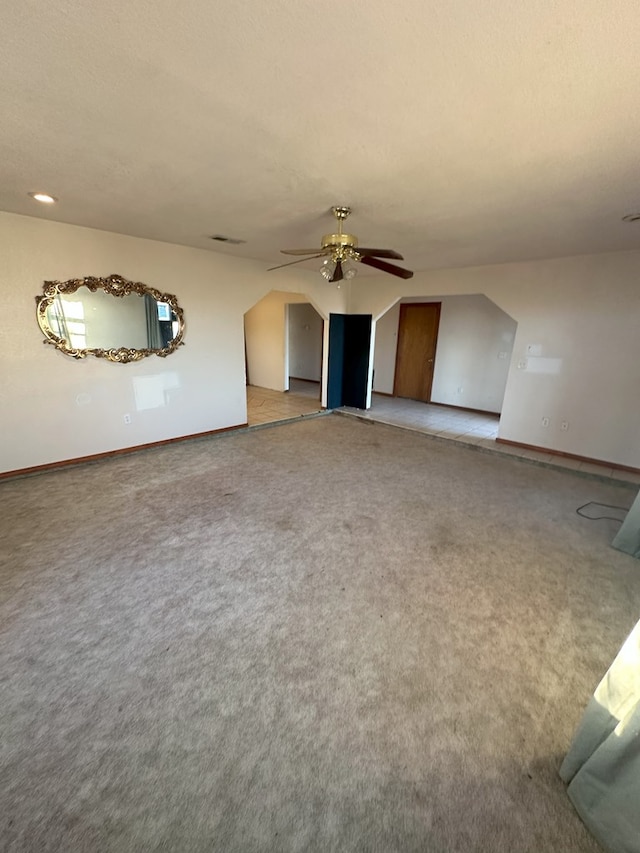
x=287, y=371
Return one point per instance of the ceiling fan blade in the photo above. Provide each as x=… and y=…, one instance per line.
x=384, y=267
x=380, y=253
x=301, y=251
x=337, y=275
x=291, y=263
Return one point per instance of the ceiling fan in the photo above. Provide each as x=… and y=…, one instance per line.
x=340, y=250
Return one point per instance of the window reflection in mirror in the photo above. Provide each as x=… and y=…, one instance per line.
x=66, y=318
x=168, y=322
x=97, y=320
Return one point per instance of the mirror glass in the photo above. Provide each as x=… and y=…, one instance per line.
x=110, y=318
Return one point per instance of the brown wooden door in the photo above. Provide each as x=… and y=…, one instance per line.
x=415, y=356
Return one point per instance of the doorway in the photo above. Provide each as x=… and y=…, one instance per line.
x=277, y=337
x=304, y=347
x=415, y=355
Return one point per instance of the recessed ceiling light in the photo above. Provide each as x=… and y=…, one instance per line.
x=45, y=198
x=631, y=217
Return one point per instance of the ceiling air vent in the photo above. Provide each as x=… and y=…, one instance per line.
x=222, y=239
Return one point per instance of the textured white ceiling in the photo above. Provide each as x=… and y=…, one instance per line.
x=460, y=132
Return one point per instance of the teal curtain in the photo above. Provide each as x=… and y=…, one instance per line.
x=628, y=537
x=154, y=335
x=602, y=767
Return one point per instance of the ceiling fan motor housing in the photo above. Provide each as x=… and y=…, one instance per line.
x=330, y=241
x=342, y=246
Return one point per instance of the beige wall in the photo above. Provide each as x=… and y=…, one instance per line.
x=305, y=342
x=581, y=318
x=54, y=408
x=265, y=329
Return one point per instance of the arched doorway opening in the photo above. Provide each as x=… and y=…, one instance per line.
x=283, y=357
x=442, y=363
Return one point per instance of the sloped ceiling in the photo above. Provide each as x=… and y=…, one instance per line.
x=459, y=132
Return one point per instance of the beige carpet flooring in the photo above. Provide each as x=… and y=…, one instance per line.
x=330, y=635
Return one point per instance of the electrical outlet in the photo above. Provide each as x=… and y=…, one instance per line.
x=545, y=422
x=127, y=419
x=564, y=426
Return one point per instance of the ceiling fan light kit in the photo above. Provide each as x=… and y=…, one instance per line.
x=327, y=268
x=340, y=251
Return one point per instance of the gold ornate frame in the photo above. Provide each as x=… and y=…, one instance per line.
x=117, y=286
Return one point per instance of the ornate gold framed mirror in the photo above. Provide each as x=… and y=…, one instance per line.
x=110, y=318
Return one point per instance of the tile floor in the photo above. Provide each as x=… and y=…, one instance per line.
x=265, y=406
x=474, y=428
x=468, y=427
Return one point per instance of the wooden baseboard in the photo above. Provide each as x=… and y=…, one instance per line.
x=465, y=409
x=445, y=405
x=121, y=451
x=564, y=455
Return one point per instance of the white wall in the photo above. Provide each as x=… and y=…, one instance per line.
x=582, y=316
x=265, y=329
x=475, y=340
x=53, y=407
x=305, y=342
